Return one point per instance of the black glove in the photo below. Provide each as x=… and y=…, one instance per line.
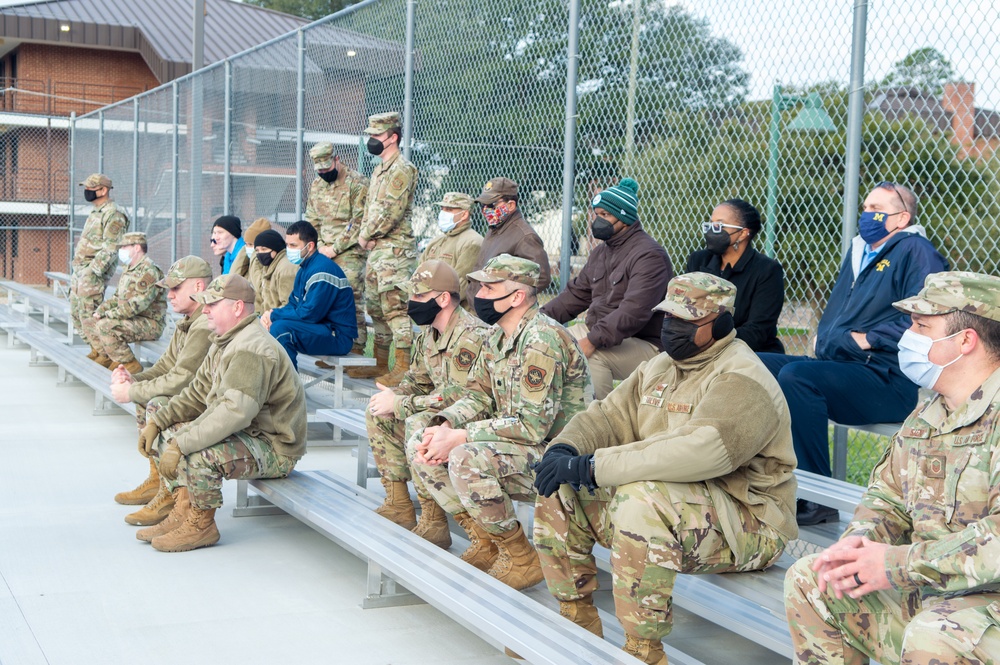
x=562, y=464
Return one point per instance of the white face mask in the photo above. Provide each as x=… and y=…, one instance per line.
x=446, y=221
x=914, y=362
x=124, y=256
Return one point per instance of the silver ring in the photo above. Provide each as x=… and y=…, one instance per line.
x=858, y=579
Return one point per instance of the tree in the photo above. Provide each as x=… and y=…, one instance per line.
x=309, y=9
x=926, y=69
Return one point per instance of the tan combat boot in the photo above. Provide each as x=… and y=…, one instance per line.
x=358, y=349
x=182, y=505
x=198, y=530
x=433, y=524
x=398, y=506
x=481, y=553
x=133, y=367
x=93, y=354
x=103, y=360
x=154, y=512
x=648, y=651
x=399, y=367
x=517, y=565
x=583, y=613
x=145, y=492
x=381, y=365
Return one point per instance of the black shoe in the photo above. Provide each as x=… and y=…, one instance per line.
x=809, y=513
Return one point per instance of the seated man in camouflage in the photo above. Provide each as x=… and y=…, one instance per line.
x=476, y=458
x=691, y=458
x=137, y=312
x=459, y=244
x=449, y=343
x=243, y=416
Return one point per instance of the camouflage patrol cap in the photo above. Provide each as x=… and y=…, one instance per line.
x=459, y=200
x=695, y=295
x=95, y=180
x=188, y=267
x=434, y=275
x=226, y=287
x=496, y=189
x=322, y=156
x=133, y=238
x=383, y=122
x=504, y=267
x=946, y=292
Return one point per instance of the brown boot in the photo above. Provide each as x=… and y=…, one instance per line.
x=399, y=367
x=517, y=565
x=93, y=354
x=358, y=349
x=433, y=524
x=583, y=613
x=481, y=553
x=103, y=360
x=133, y=367
x=398, y=506
x=145, y=492
x=182, y=505
x=648, y=651
x=154, y=512
x=198, y=530
x=381, y=365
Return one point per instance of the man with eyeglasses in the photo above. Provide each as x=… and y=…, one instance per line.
x=507, y=232
x=855, y=377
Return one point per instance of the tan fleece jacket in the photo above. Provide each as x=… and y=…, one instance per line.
x=175, y=369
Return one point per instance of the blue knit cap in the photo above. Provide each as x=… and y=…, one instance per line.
x=620, y=200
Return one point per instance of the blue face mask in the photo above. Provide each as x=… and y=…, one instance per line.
x=914, y=362
x=871, y=226
x=294, y=256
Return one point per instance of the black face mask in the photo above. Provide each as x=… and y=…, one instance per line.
x=375, y=146
x=602, y=229
x=90, y=195
x=265, y=258
x=329, y=176
x=677, y=337
x=487, y=312
x=423, y=313
x=717, y=243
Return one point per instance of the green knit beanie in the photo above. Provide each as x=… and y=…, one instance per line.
x=620, y=200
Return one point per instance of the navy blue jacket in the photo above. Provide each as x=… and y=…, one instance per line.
x=321, y=294
x=861, y=300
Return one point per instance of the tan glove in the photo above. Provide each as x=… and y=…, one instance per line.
x=169, y=460
x=147, y=438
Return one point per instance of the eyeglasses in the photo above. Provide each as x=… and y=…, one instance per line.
x=716, y=227
x=886, y=184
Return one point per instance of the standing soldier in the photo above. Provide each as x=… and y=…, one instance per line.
x=460, y=244
x=137, y=312
x=95, y=257
x=387, y=235
x=336, y=207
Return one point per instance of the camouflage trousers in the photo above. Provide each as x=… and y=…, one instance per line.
x=880, y=625
x=387, y=437
x=114, y=336
x=386, y=275
x=483, y=479
x=352, y=262
x=655, y=530
x=86, y=293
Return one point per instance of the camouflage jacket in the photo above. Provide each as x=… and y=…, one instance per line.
x=137, y=295
x=529, y=385
x=935, y=497
x=390, y=203
x=98, y=244
x=440, y=366
x=459, y=248
x=174, y=370
x=336, y=209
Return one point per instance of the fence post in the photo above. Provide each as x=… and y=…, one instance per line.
x=411, y=12
x=855, y=115
x=569, y=142
x=174, y=178
x=100, y=141
x=633, y=73
x=135, y=163
x=300, y=122
x=227, y=138
x=72, y=189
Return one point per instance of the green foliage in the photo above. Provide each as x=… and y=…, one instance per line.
x=309, y=9
x=925, y=68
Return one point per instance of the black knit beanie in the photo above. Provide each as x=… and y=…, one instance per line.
x=270, y=239
x=230, y=223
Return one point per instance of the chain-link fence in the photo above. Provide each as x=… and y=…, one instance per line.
x=699, y=102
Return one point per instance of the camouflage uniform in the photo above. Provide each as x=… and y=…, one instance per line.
x=935, y=498
x=458, y=247
x=137, y=312
x=94, y=261
x=387, y=222
x=521, y=392
x=336, y=210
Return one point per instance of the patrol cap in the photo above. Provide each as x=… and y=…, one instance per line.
x=946, y=292
x=226, y=287
x=133, y=238
x=695, y=295
x=322, y=156
x=383, y=122
x=459, y=200
x=434, y=275
x=504, y=267
x=95, y=180
x=185, y=268
x=496, y=189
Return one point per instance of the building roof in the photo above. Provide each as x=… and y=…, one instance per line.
x=898, y=103
x=160, y=30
